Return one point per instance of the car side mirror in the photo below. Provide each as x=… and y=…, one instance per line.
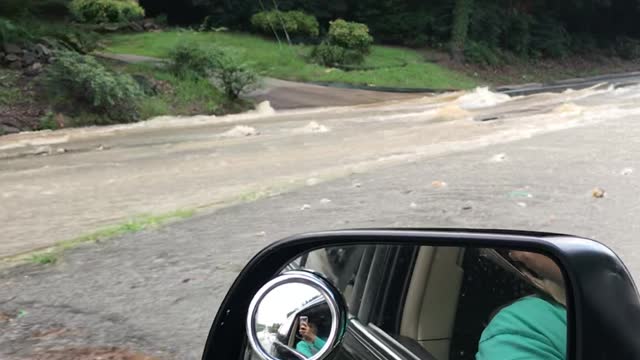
x=429, y=294
x=291, y=301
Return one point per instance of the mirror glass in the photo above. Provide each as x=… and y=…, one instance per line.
x=295, y=316
x=443, y=303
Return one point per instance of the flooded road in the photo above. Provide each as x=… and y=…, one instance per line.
x=84, y=179
x=533, y=164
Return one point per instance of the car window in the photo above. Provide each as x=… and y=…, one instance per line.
x=411, y=302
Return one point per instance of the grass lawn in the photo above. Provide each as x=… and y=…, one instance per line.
x=392, y=66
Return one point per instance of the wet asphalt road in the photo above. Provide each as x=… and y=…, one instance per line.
x=157, y=291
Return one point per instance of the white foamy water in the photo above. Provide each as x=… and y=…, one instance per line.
x=480, y=98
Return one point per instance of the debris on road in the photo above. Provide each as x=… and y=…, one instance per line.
x=312, y=127
x=241, y=131
x=438, y=184
x=413, y=205
x=522, y=204
x=356, y=185
x=598, y=193
x=305, y=207
x=519, y=194
x=261, y=233
x=467, y=207
x=498, y=157
x=626, y=171
x=325, y=201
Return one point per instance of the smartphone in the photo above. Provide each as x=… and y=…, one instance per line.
x=502, y=259
x=304, y=320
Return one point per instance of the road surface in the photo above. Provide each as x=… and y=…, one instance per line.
x=425, y=162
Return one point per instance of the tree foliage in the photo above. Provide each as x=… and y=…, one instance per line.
x=526, y=28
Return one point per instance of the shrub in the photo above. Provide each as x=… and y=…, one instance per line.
x=350, y=35
x=230, y=74
x=296, y=23
x=306, y=25
x=191, y=60
x=105, y=11
x=481, y=53
x=12, y=33
x=627, y=48
x=327, y=54
x=79, y=82
x=234, y=77
x=347, y=43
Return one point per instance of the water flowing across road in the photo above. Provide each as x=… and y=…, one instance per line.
x=58, y=185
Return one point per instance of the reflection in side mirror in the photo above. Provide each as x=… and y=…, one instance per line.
x=446, y=302
x=297, y=315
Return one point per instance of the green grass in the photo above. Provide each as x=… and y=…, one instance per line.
x=136, y=224
x=393, y=66
x=185, y=96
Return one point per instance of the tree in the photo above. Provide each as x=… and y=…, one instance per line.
x=460, y=28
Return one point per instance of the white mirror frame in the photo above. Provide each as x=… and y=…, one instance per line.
x=338, y=312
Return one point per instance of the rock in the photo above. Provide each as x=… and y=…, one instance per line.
x=136, y=27
x=16, y=65
x=8, y=129
x=598, y=193
x=11, y=58
x=34, y=69
x=626, y=171
x=42, y=50
x=149, y=25
x=12, y=48
x=29, y=58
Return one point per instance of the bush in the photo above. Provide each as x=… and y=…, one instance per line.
x=306, y=25
x=105, y=11
x=347, y=43
x=296, y=23
x=230, y=74
x=191, y=60
x=627, y=48
x=78, y=82
x=350, y=35
x=330, y=55
x=481, y=53
x=234, y=77
x=12, y=33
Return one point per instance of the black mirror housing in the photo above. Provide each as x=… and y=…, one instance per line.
x=603, y=314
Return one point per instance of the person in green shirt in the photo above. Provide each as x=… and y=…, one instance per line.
x=533, y=327
x=310, y=343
